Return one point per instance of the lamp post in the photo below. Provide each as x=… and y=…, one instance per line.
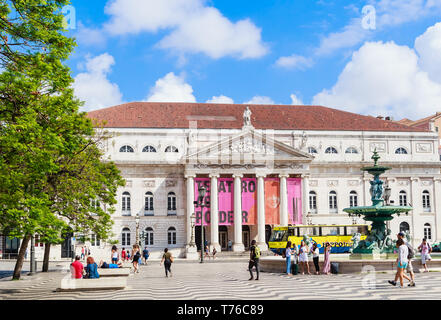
x=192, y=224
x=202, y=191
x=137, y=228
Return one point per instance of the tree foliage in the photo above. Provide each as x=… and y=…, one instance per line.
x=51, y=163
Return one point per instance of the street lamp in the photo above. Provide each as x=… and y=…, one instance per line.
x=192, y=224
x=137, y=228
x=202, y=191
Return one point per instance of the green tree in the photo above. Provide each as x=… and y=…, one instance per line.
x=50, y=160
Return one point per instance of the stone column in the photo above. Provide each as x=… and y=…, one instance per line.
x=305, y=196
x=283, y=201
x=366, y=188
x=261, y=213
x=437, y=204
x=238, y=243
x=416, y=204
x=214, y=214
x=191, y=252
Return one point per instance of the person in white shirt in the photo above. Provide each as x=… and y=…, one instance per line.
x=402, y=261
x=315, y=257
x=410, y=255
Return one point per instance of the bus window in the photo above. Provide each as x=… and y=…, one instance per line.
x=291, y=232
x=334, y=231
x=278, y=235
x=363, y=229
x=316, y=231
x=353, y=230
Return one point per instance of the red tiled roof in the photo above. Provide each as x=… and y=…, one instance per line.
x=230, y=116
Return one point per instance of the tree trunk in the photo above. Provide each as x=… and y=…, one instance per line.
x=20, y=258
x=47, y=250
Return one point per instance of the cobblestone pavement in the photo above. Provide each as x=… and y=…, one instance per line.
x=228, y=281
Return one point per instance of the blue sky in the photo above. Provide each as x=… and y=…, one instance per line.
x=204, y=49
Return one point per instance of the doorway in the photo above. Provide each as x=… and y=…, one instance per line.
x=223, y=238
x=66, y=246
x=246, y=237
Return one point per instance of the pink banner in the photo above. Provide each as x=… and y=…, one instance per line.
x=249, y=201
x=226, y=201
x=272, y=201
x=294, y=186
x=199, y=182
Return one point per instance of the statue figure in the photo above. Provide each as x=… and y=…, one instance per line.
x=247, y=117
x=388, y=242
x=307, y=240
x=355, y=241
x=376, y=189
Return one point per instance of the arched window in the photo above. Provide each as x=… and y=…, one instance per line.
x=312, y=150
x=148, y=204
x=171, y=203
x=313, y=201
x=171, y=235
x=401, y=151
x=351, y=150
x=171, y=149
x=403, y=198
x=125, y=237
x=149, y=149
x=353, y=199
x=427, y=231
x=149, y=236
x=126, y=149
x=426, y=201
x=331, y=150
x=126, y=204
x=404, y=226
x=333, y=202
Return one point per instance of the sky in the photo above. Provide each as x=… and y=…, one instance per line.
x=372, y=57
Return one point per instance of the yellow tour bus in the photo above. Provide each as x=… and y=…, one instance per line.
x=339, y=236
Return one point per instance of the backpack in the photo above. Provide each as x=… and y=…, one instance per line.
x=257, y=252
x=411, y=253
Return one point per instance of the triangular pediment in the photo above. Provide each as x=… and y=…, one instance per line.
x=249, y=145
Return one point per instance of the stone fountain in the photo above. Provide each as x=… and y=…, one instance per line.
x=379, y=243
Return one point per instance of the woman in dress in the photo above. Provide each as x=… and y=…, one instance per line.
x=315, y=257
x=425, y=249
x=303, y=257
x=326, y=261
x=288, y=258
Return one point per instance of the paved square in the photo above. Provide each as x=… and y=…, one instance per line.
x=225, y=280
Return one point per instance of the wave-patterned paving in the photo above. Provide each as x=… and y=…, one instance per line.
x=228, y=281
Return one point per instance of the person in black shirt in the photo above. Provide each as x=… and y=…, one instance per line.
x=254, y=260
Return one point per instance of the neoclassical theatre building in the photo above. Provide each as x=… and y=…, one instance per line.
x=262, y=166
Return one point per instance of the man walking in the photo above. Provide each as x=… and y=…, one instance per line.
x=254, y=259
x=409, y=265
x=145, y=254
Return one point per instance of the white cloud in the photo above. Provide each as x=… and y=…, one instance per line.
x=294, y=62
x=90, y=37
x=171, y=88
x=295, y=100
x=260, y=100
x=194, y=27
x=221, y=99
x=428, y=46
x=93, y=87
x=384, y=79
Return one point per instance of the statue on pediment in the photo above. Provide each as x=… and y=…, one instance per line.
x=247, y=117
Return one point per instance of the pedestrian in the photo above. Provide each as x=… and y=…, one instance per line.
x=128, y=255
x=327, y=261
x=82, y=253
x=136, y=255
x=145, y=254
x=425, y=250
x=206, y=252
x=214, y=252
x=123, y=254
x=254, y=260
x=288, y=258
x=167, y=259
x=315, y=257
x=77, y=268
x=409, y=268
x=91, y=269
x=402, y=261
x=303, y=256
x=114, y=257
x=230, y=245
